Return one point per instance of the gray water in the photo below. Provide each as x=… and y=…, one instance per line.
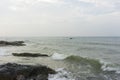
x=86, y=58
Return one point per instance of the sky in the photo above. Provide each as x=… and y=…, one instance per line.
x=59, y=17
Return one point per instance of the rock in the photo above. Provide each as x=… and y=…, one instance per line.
x=13, y=71
x=20, y=77
x=29, y=55
x=12, y=43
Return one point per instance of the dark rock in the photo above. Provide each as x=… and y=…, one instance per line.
x=12, y=43
x=29, y=54
x=12, y=71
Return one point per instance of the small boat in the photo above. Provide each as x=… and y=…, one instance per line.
x=70, y=38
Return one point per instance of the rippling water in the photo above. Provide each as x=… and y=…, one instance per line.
x=79, y=58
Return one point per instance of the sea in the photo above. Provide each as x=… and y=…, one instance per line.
x=73, y=58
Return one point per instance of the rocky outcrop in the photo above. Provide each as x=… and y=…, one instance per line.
x=29, y=55
x=12, y=43
x=13, y=71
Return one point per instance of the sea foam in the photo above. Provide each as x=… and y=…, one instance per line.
x=62, y=74
x=2, y=52
x=57, y=56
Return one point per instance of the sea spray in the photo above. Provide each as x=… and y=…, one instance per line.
x=57, y=56
x=62, y=74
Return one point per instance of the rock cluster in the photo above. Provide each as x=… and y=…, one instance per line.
x=29, y=55
x=12, y=43
x=13, y=71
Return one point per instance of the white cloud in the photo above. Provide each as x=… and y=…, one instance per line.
x=49, y=1
x=101, y=3
x=34, y=1
x=24, y=4
x=99, y=7
x=73, y=17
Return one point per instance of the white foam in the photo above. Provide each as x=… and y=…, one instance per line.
x=2, y=52
x=61, y=75
x=106, y=67
x=57, y=56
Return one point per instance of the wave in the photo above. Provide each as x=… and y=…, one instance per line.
x=110, y=67
x=96, y=65
x=74, y=59
x=62, y=74
x=93, y=63
x=57, y=56
x=100, y=43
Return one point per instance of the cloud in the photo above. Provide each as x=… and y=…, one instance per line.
x=75, y=8
x=25, y=4
x=60, y=17
x=101, y=3
x=99, y=7
x=49, y=1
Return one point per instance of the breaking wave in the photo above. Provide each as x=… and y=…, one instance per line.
x=62, y=74
x=81, y=68
x=96, y=65
x=73, y=59
x=57, y=56
x=93, y=64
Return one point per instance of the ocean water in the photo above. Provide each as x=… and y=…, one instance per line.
x=79, y=58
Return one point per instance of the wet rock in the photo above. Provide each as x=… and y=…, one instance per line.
x=12, y=43
x=29, y=55
x=13, y=71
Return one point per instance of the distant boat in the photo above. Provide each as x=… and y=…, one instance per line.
x=70, y=38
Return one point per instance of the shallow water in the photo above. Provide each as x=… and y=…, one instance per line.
x=80, y=58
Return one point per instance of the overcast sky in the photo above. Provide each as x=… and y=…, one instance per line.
x=59, y=17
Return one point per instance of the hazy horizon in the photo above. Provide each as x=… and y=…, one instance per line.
x=35, y=18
